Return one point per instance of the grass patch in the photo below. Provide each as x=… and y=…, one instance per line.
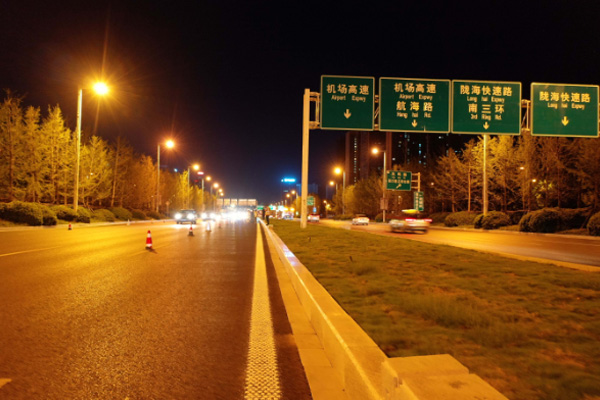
x=531, y=330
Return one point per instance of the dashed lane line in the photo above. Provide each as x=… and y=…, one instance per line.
x=28, y=251
x=262, y=375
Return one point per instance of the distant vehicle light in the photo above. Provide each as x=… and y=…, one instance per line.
x=204, y=215
x=428, y=220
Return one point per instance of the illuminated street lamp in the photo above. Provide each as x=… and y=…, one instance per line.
x=339, y=171
x=169, y=144
x=100, y=89
x=384, y=178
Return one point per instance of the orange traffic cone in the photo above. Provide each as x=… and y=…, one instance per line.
x=191, y=232
x=70, y=228
x=149, y=241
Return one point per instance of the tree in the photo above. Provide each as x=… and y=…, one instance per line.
x=59, y=156
x=503, y=168
x=121, y=156
x=447, y=179
x=96, y=172
x=141, y=183
x=11, y=146
x=587, y=168
x=365, y=196
x=33, y=164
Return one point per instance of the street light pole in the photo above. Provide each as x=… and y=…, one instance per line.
x=157, y=177
x=101, y=89
x=170, y=144
x=383, y=180
x=76, y=192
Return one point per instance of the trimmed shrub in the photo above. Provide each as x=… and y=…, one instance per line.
x=593, y=225
x=121, y=213
x=103, y=214
x=478, y=221
x=524, y=223
x=546, y=220
x=21, y=212
x=153, y=215
x=138, y=214
x=84, y=215
x=48, y=216
x=65, y=213
x=494, y=220
x=573, y=218
x=460, y=218
x=515, y=216
x=439, y=218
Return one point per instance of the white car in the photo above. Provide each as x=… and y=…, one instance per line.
x=314, y=218
x=360, y=219
x=410, y=221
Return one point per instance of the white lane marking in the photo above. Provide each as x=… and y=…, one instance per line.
x=4, y=382
x=262, y=375
x=28, y=251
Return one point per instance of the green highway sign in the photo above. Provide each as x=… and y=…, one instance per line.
x=414, y=105
x=482, y=107
x=310, y=201
x=347, y=102
x=419, y=201
x=564, y=110
x=399, y=180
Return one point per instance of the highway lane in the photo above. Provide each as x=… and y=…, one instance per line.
x=90, y=313
x=560, y=248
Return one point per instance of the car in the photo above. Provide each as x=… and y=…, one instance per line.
x=360, y=219
x=210, y=216
x=410, y=221
x=182, y=216
x=314, y=218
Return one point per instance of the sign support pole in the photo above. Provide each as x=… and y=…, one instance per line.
x=384, y=185
x=305, y=132
x=485, y=179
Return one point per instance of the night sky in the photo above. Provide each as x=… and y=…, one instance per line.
x=225, y=79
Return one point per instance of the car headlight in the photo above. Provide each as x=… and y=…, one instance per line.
x=204, y=215
x=178, y=216
x=190, y=216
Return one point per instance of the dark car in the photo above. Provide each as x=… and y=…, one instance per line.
x=186, y=216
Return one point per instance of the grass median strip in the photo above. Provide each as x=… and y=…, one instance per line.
x=531, y=330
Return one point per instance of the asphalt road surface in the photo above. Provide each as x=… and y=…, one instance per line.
x=90, y=314
x=562, y=248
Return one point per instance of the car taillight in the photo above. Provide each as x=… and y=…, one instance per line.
x=410, y=220
x=428, y=220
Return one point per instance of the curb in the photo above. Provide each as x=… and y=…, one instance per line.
x=363, y=369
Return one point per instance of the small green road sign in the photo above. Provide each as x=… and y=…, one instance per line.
x=347, y=102
x=564, y=110
x=414, y=105
x=482, y=107
x=419, y=201
x=310, y=201
x=399, y=180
